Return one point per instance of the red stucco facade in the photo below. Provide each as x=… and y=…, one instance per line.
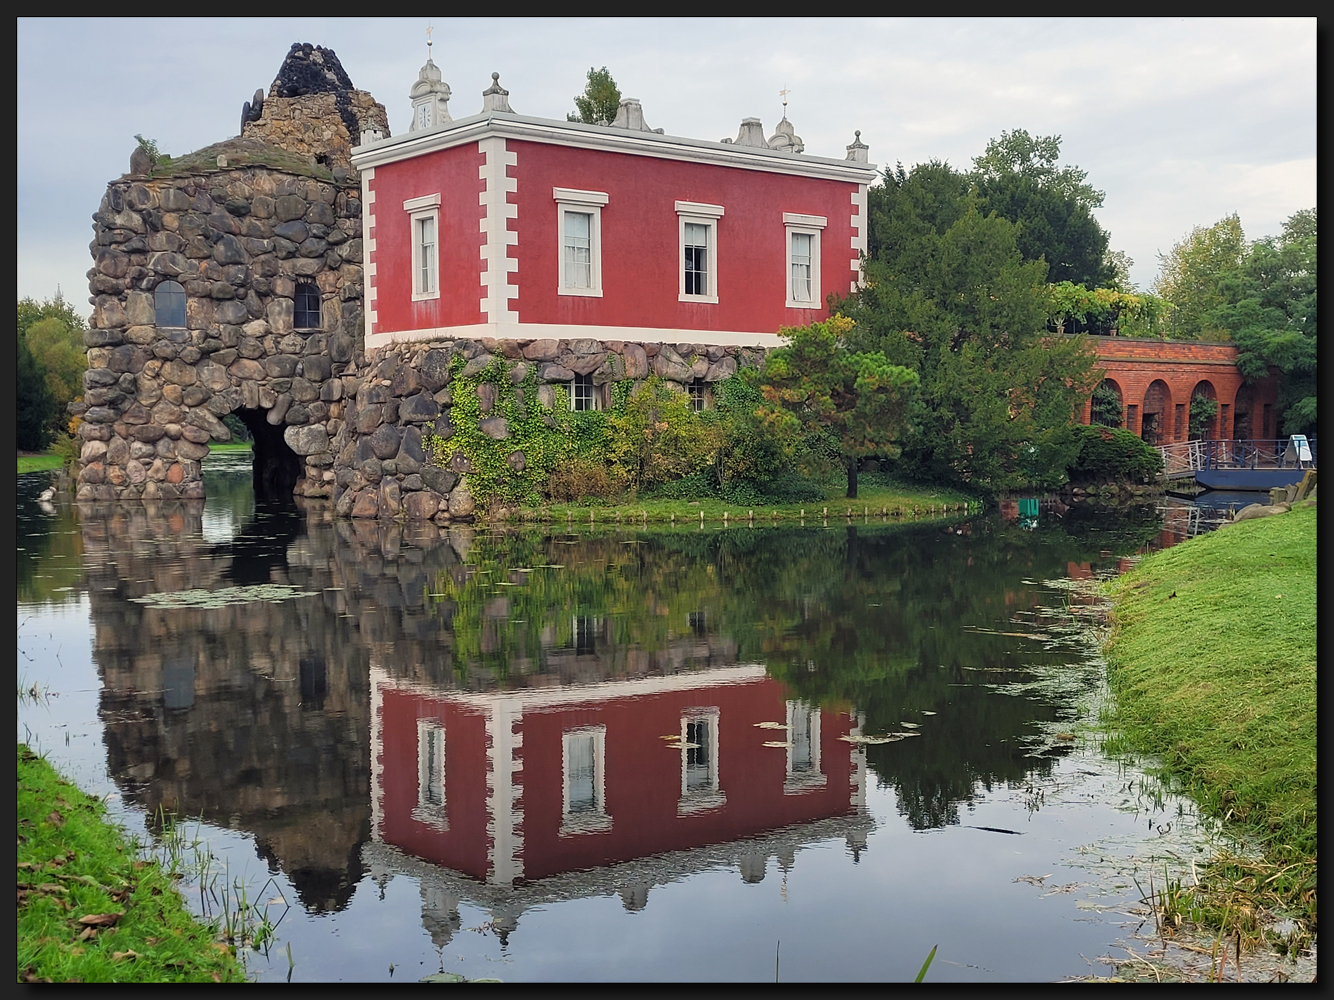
x=496, y=178
x=641, y=774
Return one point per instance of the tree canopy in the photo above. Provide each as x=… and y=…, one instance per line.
x=1268, y=309
x=845, y=404
x=950, y=296
x=1018, y=179
x=50, y=351
x=1190, y=277
x=601, y=98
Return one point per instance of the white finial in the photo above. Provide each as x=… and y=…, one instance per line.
x=783, y=94
x=429, y=29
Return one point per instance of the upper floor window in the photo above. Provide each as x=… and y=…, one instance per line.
x=803, y=259
x=424, y=220
x=579, y=225
x=169, y=303
x=431, y=806
x=700, y=790
x=306, y=312
x=699, y=251
x=584, y=805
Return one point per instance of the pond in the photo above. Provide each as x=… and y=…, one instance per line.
x=811, y=751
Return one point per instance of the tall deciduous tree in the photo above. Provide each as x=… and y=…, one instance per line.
x=59, y=350
x=32, y=402
x=1018, y=179
x=1268, y=308
x=849, y=404
x=1191, y=277
x=598, y=103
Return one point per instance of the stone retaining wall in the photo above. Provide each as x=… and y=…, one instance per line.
x=403, y=393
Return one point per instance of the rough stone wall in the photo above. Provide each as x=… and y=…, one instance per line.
x=381, y=469
x=313, y=109
x=238, y=241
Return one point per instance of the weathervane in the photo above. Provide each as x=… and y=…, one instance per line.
x=429, y=29
x=783, y=94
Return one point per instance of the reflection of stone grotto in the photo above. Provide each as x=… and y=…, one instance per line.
x=260, y=714
x=253, y=715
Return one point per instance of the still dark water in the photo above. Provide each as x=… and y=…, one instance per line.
x=608, y=755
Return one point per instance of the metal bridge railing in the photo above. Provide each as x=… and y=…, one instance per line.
x=1184, y=457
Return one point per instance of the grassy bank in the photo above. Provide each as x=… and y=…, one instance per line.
x=1212, y=659
x=29, y=462
x=875, y=500
x=89, y=910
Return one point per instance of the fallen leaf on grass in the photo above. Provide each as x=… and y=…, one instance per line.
x=56, y=818
x=118, y=955
x=101, y=919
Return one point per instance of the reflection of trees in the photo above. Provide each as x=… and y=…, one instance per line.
x=47, y=560
x=257, y=714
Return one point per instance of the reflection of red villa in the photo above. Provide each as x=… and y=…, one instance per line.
x=1157, y=380
x=531, y=783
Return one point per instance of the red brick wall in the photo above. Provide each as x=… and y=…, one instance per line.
x=1135, y=364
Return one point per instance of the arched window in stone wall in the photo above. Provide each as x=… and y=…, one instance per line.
x=169, y=303
x=306, y=311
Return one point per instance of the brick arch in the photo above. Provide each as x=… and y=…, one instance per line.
x=1245, y=418
x=1206, y=389
x=1112, y=384
x=1156, y=413
x=1135, y=363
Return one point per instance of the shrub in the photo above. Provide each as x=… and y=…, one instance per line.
x=581, y=480
x=1113, y=453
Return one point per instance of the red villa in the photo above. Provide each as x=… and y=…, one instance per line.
x=507, y=226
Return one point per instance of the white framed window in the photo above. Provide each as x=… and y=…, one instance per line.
x=698, y=259
x=584, y=780
x=424, y=223
x=803, y=751
x=802, y=235
x=699, y=394
x=431, y=775
x=584, y=395
x=579, y=230
x=699, y=762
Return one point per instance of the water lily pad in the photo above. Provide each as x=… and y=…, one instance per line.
x=227, y=596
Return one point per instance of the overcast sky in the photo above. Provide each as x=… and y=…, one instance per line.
x=1181, y=122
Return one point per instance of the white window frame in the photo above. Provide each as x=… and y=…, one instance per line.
x=419, y=209
x=571, y=201
x=702, y=215
x=595, y=400
x=596, y=820
x=698, y=800
x=433, y=814
x=806, y=225
x=796, y=781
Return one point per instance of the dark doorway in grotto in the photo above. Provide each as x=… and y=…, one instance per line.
x=276, y=466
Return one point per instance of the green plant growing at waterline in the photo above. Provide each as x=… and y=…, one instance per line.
x=89, y=909
x=1212, y=661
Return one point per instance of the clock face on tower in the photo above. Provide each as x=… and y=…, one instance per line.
x=423, y=116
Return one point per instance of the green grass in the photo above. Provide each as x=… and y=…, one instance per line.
x=874, y=500
x=214, y=448
x=39, y=463
x=72, y=866
x=1212, y=660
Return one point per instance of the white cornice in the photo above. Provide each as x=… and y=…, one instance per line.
x=604, y=137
